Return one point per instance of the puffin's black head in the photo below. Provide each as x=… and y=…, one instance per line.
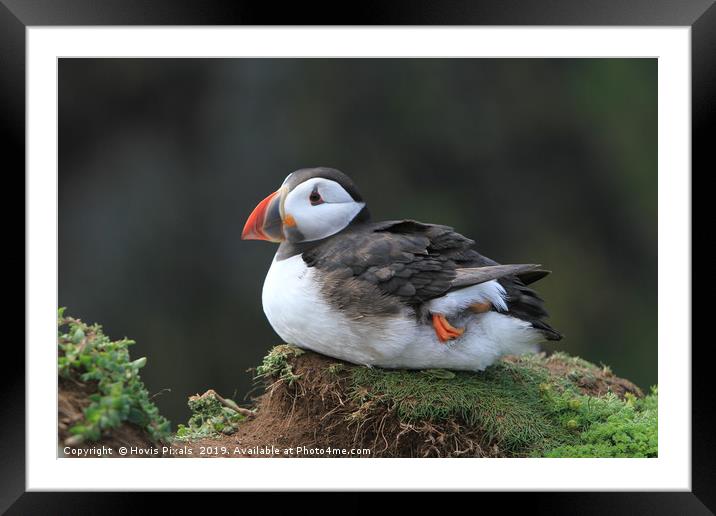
x=312, y=203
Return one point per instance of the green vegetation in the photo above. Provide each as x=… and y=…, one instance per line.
x=504, y=402
x=527, y=406
x=86, y=354
x=277, y=364
x=608, y=426
x=212, y=415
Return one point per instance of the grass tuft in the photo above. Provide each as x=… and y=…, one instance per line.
x=277, y=364
x=212, y=415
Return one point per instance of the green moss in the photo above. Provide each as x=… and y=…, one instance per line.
x=211, y=416
x=505, y=402
x=521, y=406
x=277, y=364
x=608, y=426
x=89, y=355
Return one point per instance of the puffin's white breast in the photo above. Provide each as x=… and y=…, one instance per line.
x=297, y=311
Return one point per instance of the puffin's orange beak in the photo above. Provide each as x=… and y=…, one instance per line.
x=265, y=221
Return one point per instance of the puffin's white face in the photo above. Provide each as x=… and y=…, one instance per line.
x=318, y=208
x=311, y=210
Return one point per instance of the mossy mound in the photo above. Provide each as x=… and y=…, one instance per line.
x=534, y=405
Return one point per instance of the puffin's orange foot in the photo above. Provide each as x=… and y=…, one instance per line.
x=444, y=330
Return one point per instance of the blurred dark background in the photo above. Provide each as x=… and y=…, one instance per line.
x=550, y=161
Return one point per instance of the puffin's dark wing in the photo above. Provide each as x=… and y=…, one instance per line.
x=409, y=260
x=376, y=267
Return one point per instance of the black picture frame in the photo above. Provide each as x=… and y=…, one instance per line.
x=17, y=15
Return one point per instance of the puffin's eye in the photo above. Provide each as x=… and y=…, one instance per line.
x=315, y=197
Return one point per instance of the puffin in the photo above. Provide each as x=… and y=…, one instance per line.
x=398, y=294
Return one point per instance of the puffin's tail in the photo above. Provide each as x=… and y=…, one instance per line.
x=522, y=301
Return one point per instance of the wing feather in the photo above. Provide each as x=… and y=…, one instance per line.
x=464, y=277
